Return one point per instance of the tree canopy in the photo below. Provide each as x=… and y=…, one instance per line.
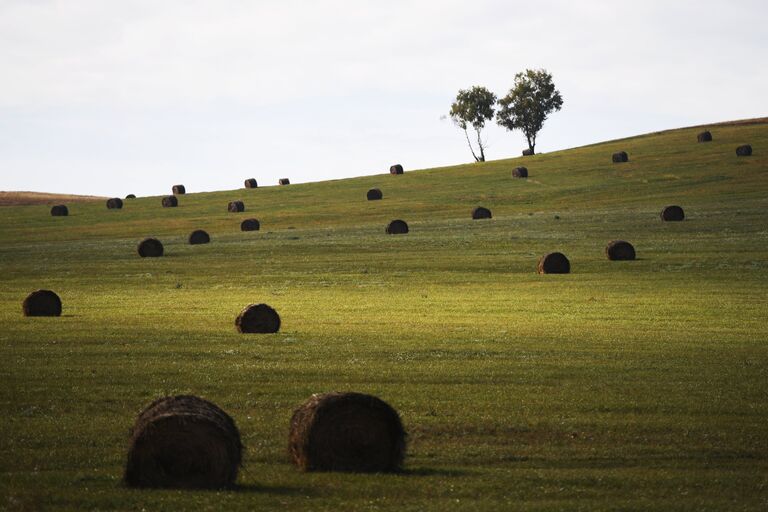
x=473, y=107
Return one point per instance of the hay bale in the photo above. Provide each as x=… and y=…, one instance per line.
x=179, y=189
x=115, y=203
x=397, y=227
x=42, y=303
x=150, y=248
x=672, y=214
x=396, y=169
x=251, y=183
x=250, y=225
x=620, y=157
x=704, y=136
x=554, y=263
x=528, y=152
x=745, y=150
x=59, y=210
x=199, y=236
x=170, y=202
x=236, y=206
x=183, y=442
x=520, y=172
x=284, y=181
x=374, y=194
x=618, y=250
x=131, y=196
x=258, y=318
x=481, y=213
x=346, y=432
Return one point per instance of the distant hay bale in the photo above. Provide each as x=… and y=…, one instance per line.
x=251, y=183
x=258, y=318
x=346, y=432
x=704, y=136
x=745, y=150
x=481, y=213
x=59, y=210
x=42, y=303
x=183, y=442
x=150, y=248
x=115, y=203
x=374, y=194
x=179, y=189
x=620, y=157
x=130, y=196
x=284, y=181
x=249, y=225
x=199, y=236
x=236, y=206
x=170, y=202
x=528, y=152
x=617, y=250
x=397, y=227
x=554, y=263
x=520, y=172
x=672, y=214
x=396, y=169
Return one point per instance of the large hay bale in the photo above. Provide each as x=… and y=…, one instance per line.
x=481, y=213
x=131, y=196
x=251, y=183
x=672, y=214
x=284, y=181
x=199, y=236
x=258, y=318
x=179, y=189
x=42, y=303
x=620, y=157
x=520, y=172
x=115, y=203
x=397, y=227
x=236, y=206
x=528, y=152
x=745, y=150
x=250, y=225
x=617, y=250
x=183, y=442
x=150, y=248
x=554, y=263
x=170, y=202
x=374, y=194
x=705, y=136
x=59, y=210
x=396, y=169
x=346, y=432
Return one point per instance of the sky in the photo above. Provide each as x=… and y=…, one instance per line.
x=110, y=98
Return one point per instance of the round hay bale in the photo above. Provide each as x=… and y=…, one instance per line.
x=481, y=213
x=236, y=206
x=397, y=227
x=346, y=432
x=618, y=250
x=249, y=225
x=672, y=214
x=131, y=196
x=374, y=194
x=704, y=136
x=150, y=248
x=554, y=263
x=59, y=210
x=745, y=150
x=396, y=169
x=170, y=202
x=520, y=172
x=179, y=189
x=284, y=181
x=199, y=236
x=42, y=303
x=528, y=152
x=258, y=318
x=183, y=442
x=115, y=203
x=251, y=183
x=620, y=157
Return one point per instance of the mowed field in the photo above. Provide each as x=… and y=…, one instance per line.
x=638, y=385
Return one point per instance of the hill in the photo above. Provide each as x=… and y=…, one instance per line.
x=29, y=198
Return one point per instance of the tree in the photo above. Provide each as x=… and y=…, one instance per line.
x=528, y=104
x=473, y=107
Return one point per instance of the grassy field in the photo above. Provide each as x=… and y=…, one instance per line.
x=635, y=385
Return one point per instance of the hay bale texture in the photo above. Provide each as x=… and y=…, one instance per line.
x=59, y=210
x=236, y=206
x=346, y=432
x=42, y=303
x=183, y=442
x=520, y=172
x=170, y=202
x=396, y=169
x=249, y=225
x=251, y=183
x=374, y=194
x=554, y=263
x=284, y=181
x=131, y=196
x=705, y=136
x=150, y=248
x=114, y=203
x=199, y=236
x=397, y=227
x=672, y=214
x=618, y=250
x=620, y=157
x=528, y=152
x=178, y=189
x=257, y=319
x=745, y=150
x=481, y=213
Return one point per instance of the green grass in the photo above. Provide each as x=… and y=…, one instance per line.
x=622, y=386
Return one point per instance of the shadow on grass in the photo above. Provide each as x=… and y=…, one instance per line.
x=278, y=490
x=434, y=472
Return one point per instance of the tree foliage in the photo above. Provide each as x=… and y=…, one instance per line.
x=473, y=107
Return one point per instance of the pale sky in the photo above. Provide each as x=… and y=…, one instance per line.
x=132, y=96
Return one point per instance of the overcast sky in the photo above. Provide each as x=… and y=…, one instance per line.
x=109, y=98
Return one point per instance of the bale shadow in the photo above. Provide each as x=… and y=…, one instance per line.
x=434, y=472
x=277, y=490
